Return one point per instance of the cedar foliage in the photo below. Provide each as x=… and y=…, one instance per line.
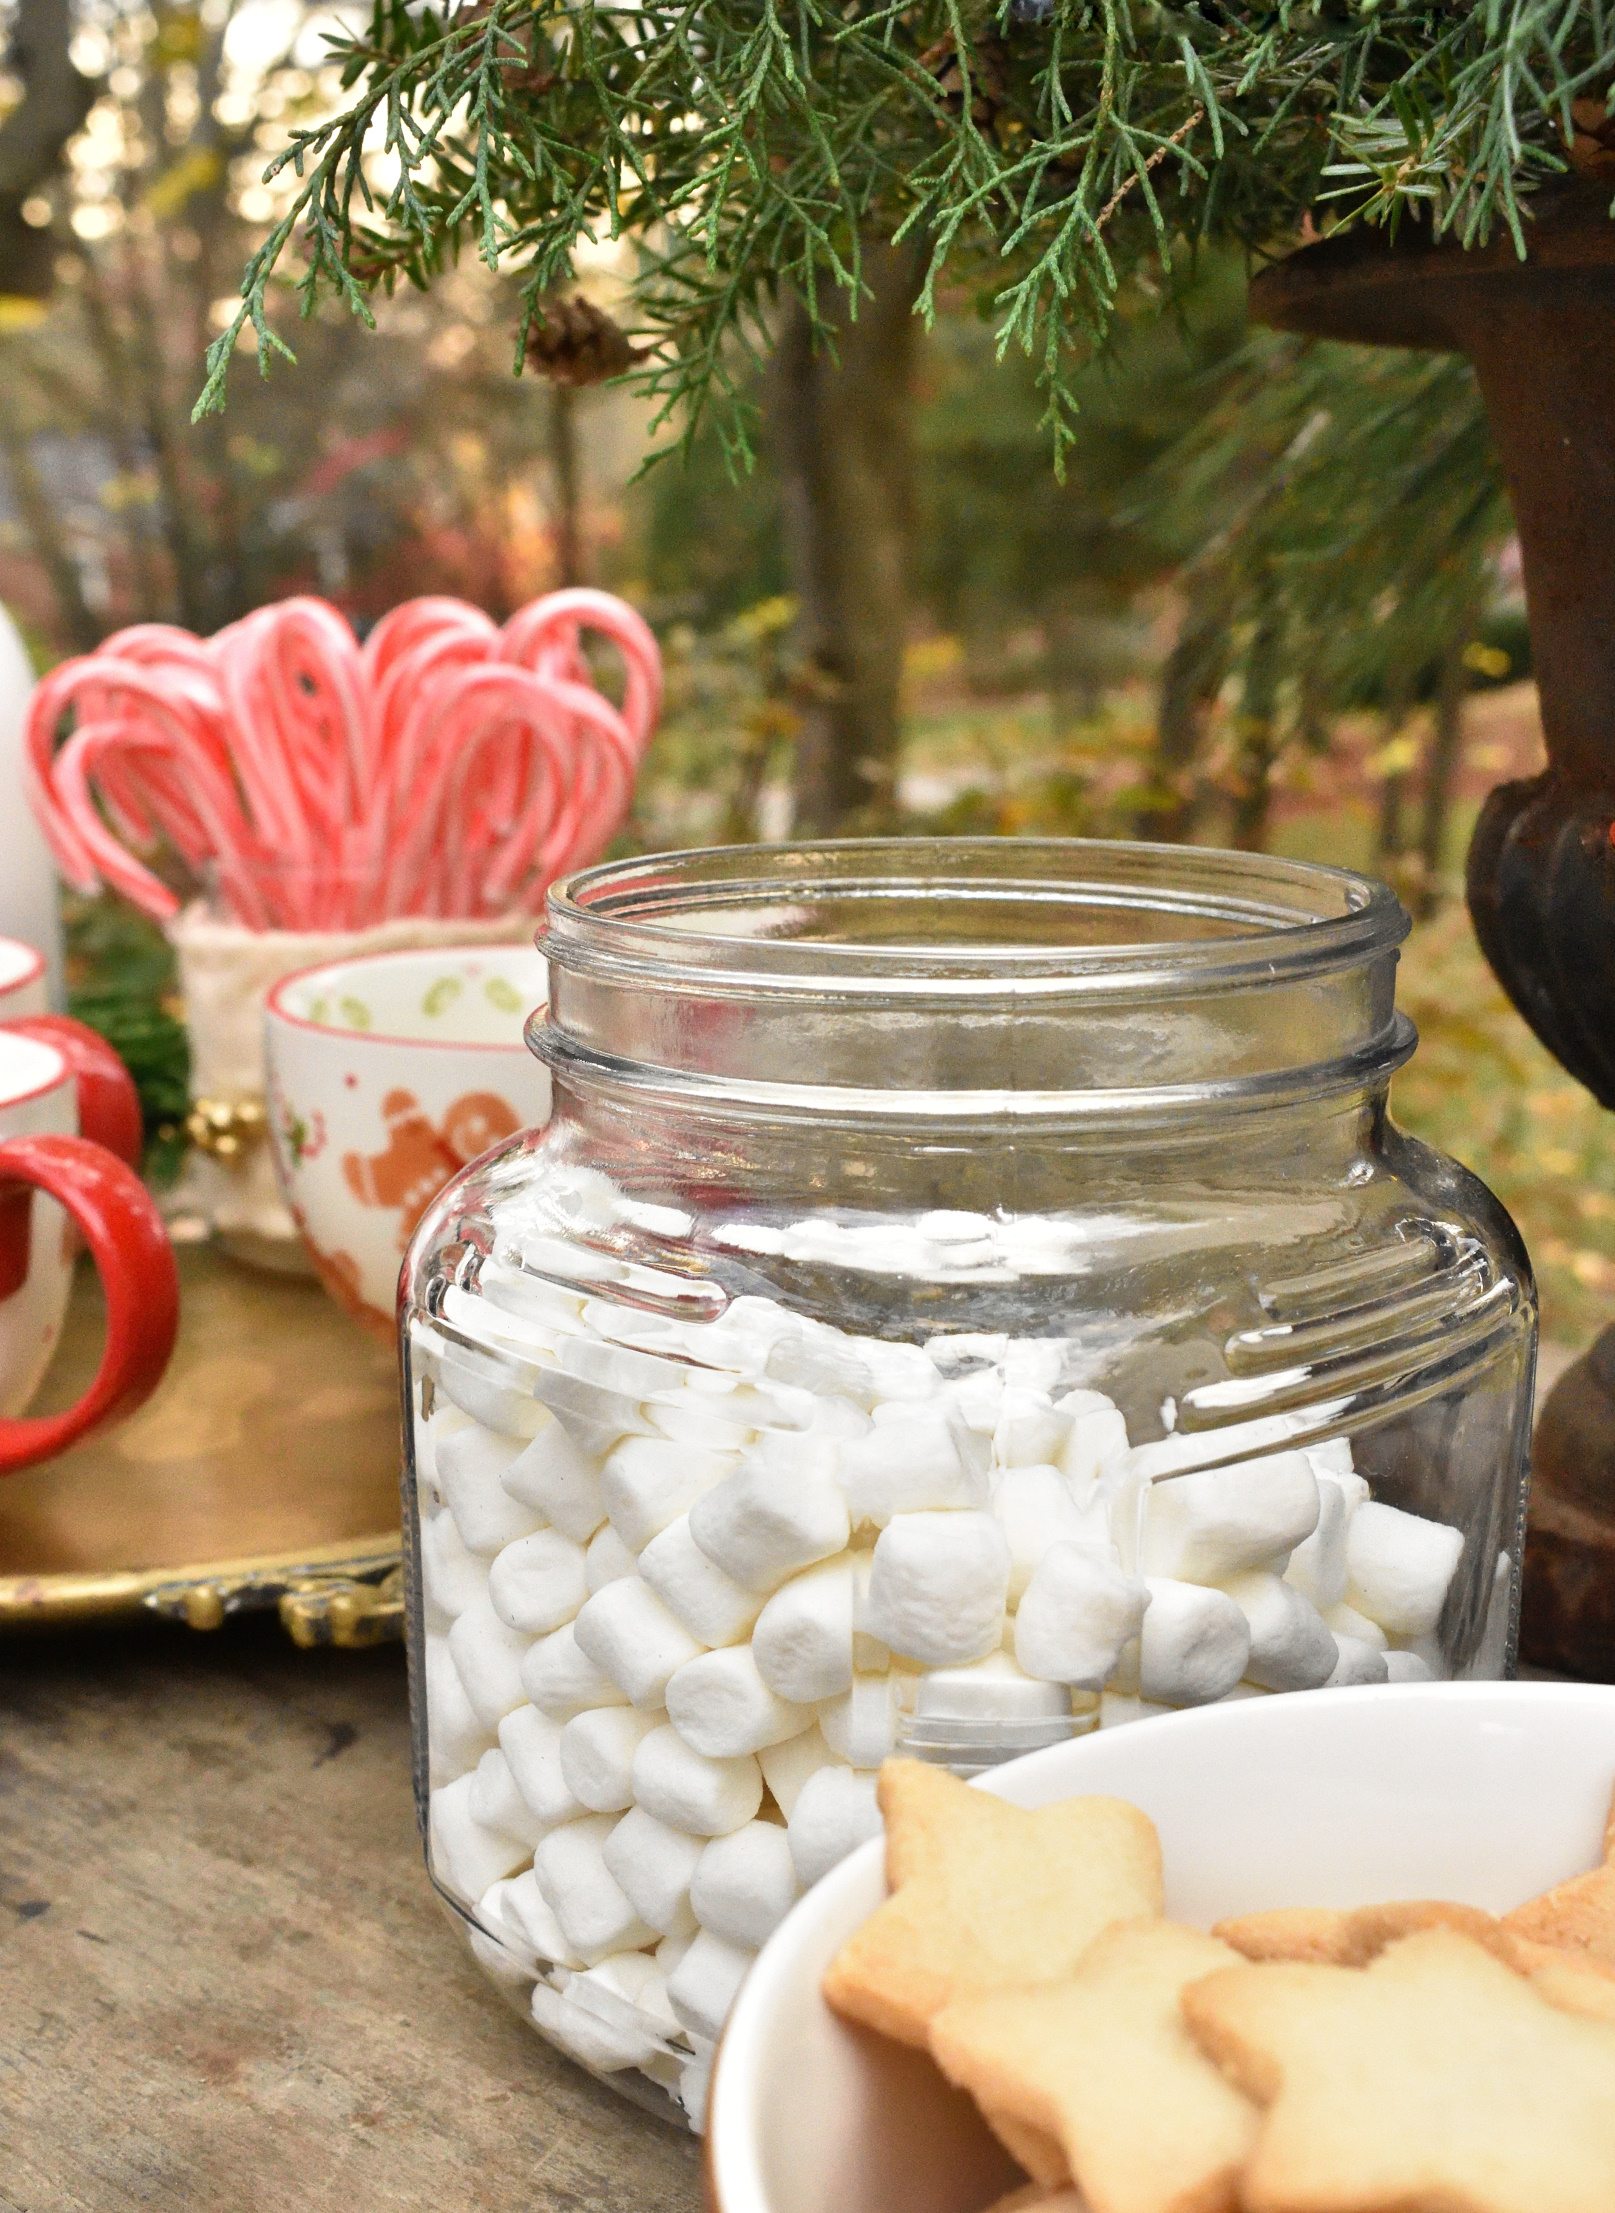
x=751, y=144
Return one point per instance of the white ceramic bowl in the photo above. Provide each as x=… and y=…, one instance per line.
x=387, y=1073
x=1483, y=1792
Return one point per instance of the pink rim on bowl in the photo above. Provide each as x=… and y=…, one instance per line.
x=386, y=1037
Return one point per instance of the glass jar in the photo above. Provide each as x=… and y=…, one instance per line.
x=967, y=1294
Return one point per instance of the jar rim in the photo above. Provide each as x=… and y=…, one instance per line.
x=924, y=915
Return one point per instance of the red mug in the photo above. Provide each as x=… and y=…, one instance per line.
x=57, y=1079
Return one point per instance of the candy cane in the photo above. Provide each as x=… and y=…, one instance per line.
x=445, y=767
x=544, y=636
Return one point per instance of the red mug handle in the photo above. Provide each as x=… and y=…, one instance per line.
x=125, y=1234
x=109, y=1104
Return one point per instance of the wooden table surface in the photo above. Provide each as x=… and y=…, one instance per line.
x=224, y=1980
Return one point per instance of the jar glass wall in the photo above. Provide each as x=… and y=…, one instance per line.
x=967, y=1294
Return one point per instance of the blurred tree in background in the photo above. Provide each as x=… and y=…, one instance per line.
x=412, y=462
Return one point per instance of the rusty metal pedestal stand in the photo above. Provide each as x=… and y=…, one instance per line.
x=1541, y=871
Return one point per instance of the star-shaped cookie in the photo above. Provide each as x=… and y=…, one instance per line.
x=1435, y=2080
x=1104, y=2065
x=986, y=1894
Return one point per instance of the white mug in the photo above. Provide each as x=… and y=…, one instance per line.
x=56, y=1186
x=22, y=979
x=387, y=1074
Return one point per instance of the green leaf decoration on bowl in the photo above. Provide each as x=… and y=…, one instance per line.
x=355, y=1013
x=441, y=995
x=501, y=993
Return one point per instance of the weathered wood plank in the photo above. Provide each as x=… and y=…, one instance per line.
x=223, y=1978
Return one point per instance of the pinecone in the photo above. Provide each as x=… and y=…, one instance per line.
x=578, y=343
x=989, y=76
x=1592, y=148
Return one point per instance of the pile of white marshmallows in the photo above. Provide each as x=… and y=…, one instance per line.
x=685, y=1590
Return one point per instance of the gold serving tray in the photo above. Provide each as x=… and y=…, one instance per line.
x=262, y=1472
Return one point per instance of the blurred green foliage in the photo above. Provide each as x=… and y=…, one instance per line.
x=121, y=983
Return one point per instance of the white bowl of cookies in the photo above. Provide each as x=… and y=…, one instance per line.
x=1348, y=1951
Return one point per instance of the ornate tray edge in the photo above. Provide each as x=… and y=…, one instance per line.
x=349, y=1594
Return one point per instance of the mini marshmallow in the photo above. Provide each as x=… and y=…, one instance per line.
x=538, y=1583
x=605, y=2046
x=1345, y=1621
x=690, y=1420
x=562, y=1681
x=488, y=1397
x=937, y=1586
x=497, y=1955
x=1035, y=1507
x=1203, y=1528
x=835, y=1812
x=597, y=1755
x=837, y=1419
x=1318, y=1564
x=607, y=1560
x=618, y=1368
x=673, y=1948
x=709, y=1604
x=510, y=1946
x=1030, y=1432
x=455, y=1738
x=594, y=1915
x=626, y=1630
x=702, y=1987
x=721, y=1706
x=648, y=1482
x=745, y=1884
x=965, y=1350
x=862, y=1727
x=1077, y=1614
x=896, y=1371
x=955, y=1706
x=695, y=2082
x=1193, y=1645
x=529, y=1298
x=1116, y=1708
x=802, y=1642
x=628, y=1980
x=428, y=1435
x=1291, y=1648
x=488, y=1654
x=1357, y=1662
x=1428, y=1649
x=452, y=1578
x=810, y=1357
x=653, y=1865
x=557, y=1480
x=1034, y=1363
x=910, y=1463
x=528, y=1912
x=786, y=1767
x=1098, y=1439
x=1399, y=1566
x=470, y=1465
x=1406, y=1667
x=691, y=1792
x=1353, y=1488
x=1333, y=1458
x=976, y=1400
x=531, y=1743
x=496, y=1802
x=760, y=1527
x=467, y=1856
x=594, y=1419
